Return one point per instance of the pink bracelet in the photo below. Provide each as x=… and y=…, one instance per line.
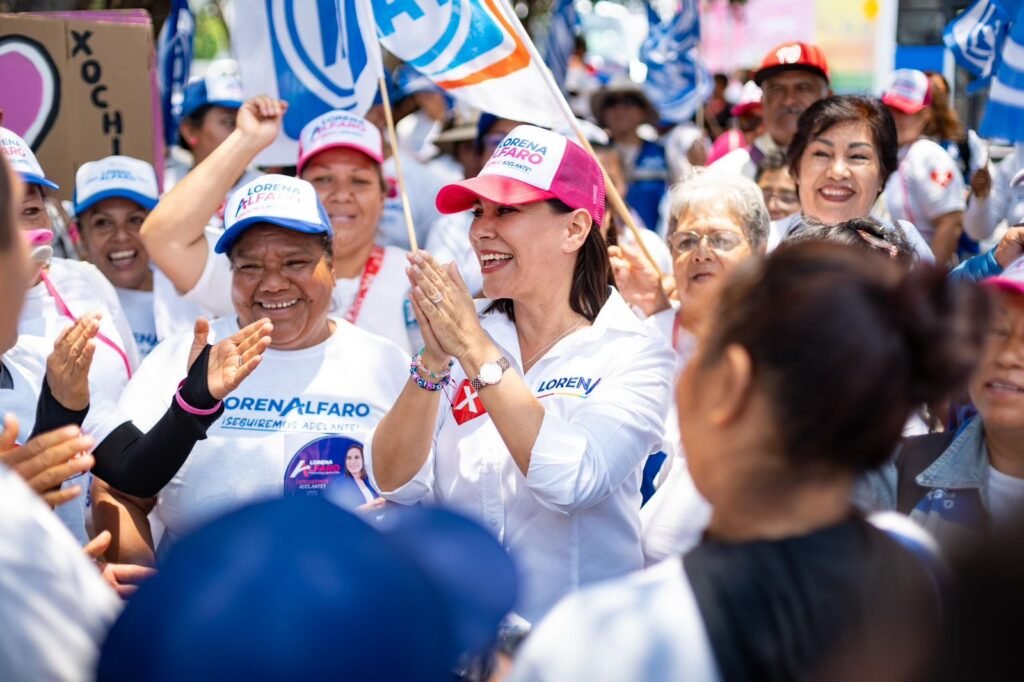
x=194, y=410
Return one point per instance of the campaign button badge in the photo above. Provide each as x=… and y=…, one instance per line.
x=317, y=464
x=467, y=404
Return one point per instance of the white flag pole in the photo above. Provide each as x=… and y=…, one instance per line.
x=610, y=190
x=374, y=47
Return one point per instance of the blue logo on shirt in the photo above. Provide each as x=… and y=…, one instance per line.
x=574, y=384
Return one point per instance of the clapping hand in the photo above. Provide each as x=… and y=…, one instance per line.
x=445, y=309
x=123, y=578
x=231, y=359
x=47, y=460
x=1011, y=246
x=67, y=368
x=637, y=280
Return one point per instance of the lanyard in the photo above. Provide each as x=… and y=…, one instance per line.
x=66, y=312
x=901, y=171
x=369, y=274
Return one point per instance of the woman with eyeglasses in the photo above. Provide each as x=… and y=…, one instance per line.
x=777, y=186
x=843, y=153
x=721, y=221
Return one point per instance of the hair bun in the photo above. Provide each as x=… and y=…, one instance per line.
x=943, y=323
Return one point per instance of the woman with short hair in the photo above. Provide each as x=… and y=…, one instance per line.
x=559, y=390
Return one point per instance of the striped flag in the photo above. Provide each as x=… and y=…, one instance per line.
x=975, y=37
x=677, y=82
x=1004, y=113
x=174, y=59
x=561, y=41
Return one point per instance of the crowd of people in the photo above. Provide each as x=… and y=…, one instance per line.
x=743, y=432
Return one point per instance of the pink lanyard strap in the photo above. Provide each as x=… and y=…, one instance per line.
x=369, y=274
x=62, y=307
x=906, y=189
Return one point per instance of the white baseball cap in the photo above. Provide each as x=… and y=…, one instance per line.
x=280, y=200
x=214, y=89
x=909, y=91
x=339, y=129
x=115, y=176
x=21, y=158
x=532, y=164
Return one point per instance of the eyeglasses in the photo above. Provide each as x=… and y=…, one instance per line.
x=721, y=241
x=784, y=198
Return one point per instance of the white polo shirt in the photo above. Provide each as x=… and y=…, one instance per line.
x=337, y=389
x=574, y=518
x=1004, y=203
x=386, y=310
x=926, y=185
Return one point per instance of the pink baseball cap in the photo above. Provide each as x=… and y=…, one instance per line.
x=532, y=164
x=1011, y=279
x=339, y=129
x=908, y=91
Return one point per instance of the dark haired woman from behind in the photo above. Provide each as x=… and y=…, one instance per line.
x=780, y=411
x=554, y=396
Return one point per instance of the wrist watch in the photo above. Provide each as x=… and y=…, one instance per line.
x=490, y=373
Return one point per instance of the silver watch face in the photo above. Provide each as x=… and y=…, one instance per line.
x=490, y=373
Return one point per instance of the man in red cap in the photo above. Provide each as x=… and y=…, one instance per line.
x=792, y=77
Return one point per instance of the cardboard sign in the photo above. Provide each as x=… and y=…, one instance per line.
x=79, y=89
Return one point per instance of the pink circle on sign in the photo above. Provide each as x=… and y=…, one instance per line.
x=31, y=96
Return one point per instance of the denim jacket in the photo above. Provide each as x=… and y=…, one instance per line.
x=956, y=505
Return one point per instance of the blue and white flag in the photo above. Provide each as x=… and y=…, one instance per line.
x=1004, y=113
x=174, y=59
x=561, y=42
x=313, y=54
x=975, y=38
x=677, y=82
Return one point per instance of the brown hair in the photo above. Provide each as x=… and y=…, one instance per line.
x=943, y=124
x=832, y=111
x=864, y=233
x=852, y=328
x=591, y=276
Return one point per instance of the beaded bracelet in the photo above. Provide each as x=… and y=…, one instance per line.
x=417, y=362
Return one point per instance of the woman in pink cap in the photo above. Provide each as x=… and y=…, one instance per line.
x=554, y=392
x=340, y=155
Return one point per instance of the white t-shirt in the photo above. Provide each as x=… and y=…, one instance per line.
x=172, y=314
x=926, y=185
x=386, y=310
x=83, y=289
x=138, y=308
x=1004, y=203
x=54, y=606
x=739, y=162
x=339, y=388
x=574, y=518
x=1005, y=497
x=646, y=626
x=780, y=229
x=421, y=186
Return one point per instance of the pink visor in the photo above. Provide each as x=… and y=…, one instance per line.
x=461, y=196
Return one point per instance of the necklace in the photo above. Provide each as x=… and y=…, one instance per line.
x=545, y=349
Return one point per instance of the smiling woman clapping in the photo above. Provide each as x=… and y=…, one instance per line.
x=555, y=392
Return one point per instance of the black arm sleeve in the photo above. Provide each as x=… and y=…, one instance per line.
x=141, y=464
x=50, y=414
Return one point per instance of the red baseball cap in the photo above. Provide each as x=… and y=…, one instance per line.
x=532, y=164
x=787, y=56
x=908, y=91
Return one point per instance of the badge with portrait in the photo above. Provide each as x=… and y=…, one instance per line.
x=318, y=463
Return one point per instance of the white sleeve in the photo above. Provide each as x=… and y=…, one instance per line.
x=415, y=489
x=577, y=463
x=924, y=252
x=937, y=181
x=149, y=393
x=212, y=293
x=984, y=215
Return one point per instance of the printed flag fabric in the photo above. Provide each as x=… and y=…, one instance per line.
x=174, y=59
x=312, y=54
x=561, y=39
x=975, y=37
x=677, y=82
x=472, y=50
x=1004, y=113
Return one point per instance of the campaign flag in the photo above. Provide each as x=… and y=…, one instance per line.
x=975, y=38
x=314, y=55
x=1004, y=113
x=677, y=82
x=174, y=59
x=561, y=41
x=472, y=50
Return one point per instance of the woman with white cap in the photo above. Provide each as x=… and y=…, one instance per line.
x=321, y=378
x=559, y=389
x=113, y=196
x=340, y=155
x=927, y=188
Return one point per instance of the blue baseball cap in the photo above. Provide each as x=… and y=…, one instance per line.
x=276, y=199
x=216, y=90
x=20, y=156
x=115, y=176
x=298, y=588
